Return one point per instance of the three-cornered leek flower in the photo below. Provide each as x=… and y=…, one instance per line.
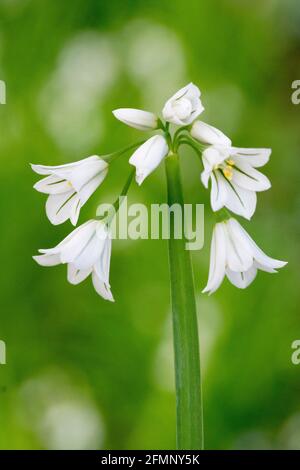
x=232, y=171
x=137, y=118
x=236, y=255
x=86, y=251
x=183, y=107
x=148, y=156
x=70, y=186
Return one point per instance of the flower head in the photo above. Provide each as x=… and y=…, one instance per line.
x=142, y=120
x=69, y=186
x=86, y=251
x=148, y=156
x=183, y=107
x=236, y=255
x=232, y=171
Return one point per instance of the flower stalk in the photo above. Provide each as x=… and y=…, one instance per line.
x=189, y=432
x=231, y=175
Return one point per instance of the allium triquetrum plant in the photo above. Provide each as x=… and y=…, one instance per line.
x=233, y=179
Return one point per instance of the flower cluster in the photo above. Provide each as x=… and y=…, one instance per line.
x=230, y=173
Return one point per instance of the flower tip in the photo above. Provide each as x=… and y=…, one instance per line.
x=34, y=167
x=283, y=263
x=36, y=258
x=139, y=177
x=268, y=152
x=139, y=180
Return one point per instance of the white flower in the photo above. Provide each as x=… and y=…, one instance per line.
x=208, y=134
x=86, y=251
x=70, y=186
x=148, y=156
x=232, y=170
x=183, y=107
x=234, y=253
x=142, y=120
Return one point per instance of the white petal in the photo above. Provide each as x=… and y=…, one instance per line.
x=75, y=276
x=83, y=174
x=148, y=156
x=217, y=259
x=47, y=259
x=241, y=279
x=218, y=193
x=90, y=187
x=52, y=184
x=48, y=170
x=89, y=253
x=208, y=134
x=73, y=235
x=102, y=265
x=205, y=175
x=102, y=288
x=76, y=245
x=254, y=157
x=266, y=269
x=142, y=120
x=259, y=256
x=184, y=106
x=214, y=156
x=239, y=256
x=247, y=177
x=75, y=211
x=239, y=200
x=59, y=206
x=208, y=159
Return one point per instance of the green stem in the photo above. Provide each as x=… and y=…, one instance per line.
x=112, y=156
x=185, y=328
x=124, y=190
x=116, y=205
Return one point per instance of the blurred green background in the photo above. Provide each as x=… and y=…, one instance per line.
x=81, y=372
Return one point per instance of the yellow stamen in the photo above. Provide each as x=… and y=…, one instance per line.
x=227, y=172
x=230, y=162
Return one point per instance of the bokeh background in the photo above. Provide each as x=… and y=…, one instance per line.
x=83, y=373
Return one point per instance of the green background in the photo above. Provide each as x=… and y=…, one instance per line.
x=85, y=373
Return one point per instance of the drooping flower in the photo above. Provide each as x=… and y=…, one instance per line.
x=232, y=171
x=70, y=186
x=137, y=118
x=86, y=251
x=236, y=255
x=183, y=107
x=148, y=156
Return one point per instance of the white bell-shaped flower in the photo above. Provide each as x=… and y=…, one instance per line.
x=148, y=156
x=183, y=107
x=232, y=171
x=86, y=251
x=69, y=186
x=234, y=254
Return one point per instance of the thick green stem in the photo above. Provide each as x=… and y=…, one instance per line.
x=185, y=328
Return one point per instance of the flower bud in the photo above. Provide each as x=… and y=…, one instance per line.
x=142, y=120
x=209, y=135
